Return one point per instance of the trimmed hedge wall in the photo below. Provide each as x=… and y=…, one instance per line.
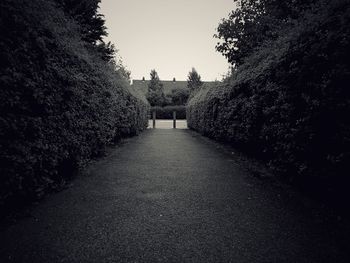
x=167, y=112
x=60, y=104
x=289, y=103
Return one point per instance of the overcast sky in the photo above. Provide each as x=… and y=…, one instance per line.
x=170, y=36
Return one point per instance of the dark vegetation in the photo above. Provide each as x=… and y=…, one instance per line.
x=178, y=96
x=288, y=98
x=165, y=104
x=155, y=94
x=157, y=97
x=194, y=82
x=63, y=97
x=167, y=112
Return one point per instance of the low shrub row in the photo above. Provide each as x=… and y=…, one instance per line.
x=167, y=112
x=60, y=102
x=289, y=103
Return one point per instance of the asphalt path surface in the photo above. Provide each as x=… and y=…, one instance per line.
x=174, y=196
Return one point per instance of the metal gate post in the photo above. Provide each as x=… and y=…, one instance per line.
x=174, y=119
x=154, y=119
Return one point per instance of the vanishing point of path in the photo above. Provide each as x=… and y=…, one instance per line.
x=174, y=196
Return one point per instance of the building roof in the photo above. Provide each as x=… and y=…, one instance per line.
x=168, y=85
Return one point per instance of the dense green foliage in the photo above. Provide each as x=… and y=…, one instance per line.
x=194, y=81
x=252, y=23
x=91, y=24
x=155, y=94
x=288, y=101
x=61, y=101
x=178, y=96
x=167, y=112
x=85, y=13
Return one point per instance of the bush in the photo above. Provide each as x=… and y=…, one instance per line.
x=179, y=96
x=289, y=102
x=167, y=112
x=60, y=103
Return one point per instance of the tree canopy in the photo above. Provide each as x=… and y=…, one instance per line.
x=155, y=94
x=92, y=24
x=194, y=81
x=179, y=96
x=252, y=23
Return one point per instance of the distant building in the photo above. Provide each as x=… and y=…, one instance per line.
x=168, y=85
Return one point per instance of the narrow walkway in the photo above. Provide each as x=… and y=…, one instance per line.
x=172, y=196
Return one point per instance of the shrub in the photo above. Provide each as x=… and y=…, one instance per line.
x=288, y=103
x=178, y=96
x=167, y=112
x=60, y=103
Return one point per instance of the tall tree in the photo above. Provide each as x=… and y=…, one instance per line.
x=92, y=24
x=155, y=94
x=194, y=81
x=85, y=12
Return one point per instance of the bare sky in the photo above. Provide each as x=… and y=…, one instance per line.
x=170, y=36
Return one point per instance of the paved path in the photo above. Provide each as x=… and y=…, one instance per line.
x=172, y=196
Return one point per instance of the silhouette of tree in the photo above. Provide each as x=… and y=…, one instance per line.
x=194, y=81
x=93, y=29
x=252, y=23
x=155, y=95
x=179, y=96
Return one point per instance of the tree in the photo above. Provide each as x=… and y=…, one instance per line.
x=252, y=23
x=179, y=96
x=92, y=24
x=155, y=94
x=85, y=12
x=194, y=80
x=106, y=51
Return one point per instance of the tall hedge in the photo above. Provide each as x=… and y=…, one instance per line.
x=60, y=102
x=289, y=103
